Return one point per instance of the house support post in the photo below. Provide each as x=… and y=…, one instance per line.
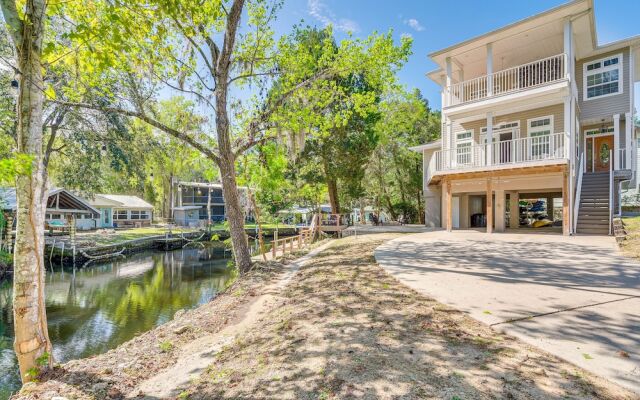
x=628, y=136
x=489, y=138
x=449, y=197
x=465, y=218
x=514, y=210
x=550, y=207
x=489, y=206
x=565, y=204
x=489, y=69
x=617, y=142
x=500, y=210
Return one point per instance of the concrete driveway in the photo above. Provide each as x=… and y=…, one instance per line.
x=575, y=297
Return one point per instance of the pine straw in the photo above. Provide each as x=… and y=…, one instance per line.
x=345, y=329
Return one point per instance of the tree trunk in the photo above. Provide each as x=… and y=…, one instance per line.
x=32, y=344
x=235, y=215
x=209, y=206
x=332, y=188
x=227, y=158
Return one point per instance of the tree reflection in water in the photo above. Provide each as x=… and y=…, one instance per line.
x=95, y=309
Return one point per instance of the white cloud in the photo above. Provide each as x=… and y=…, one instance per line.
x=322, y=13
x=415, y=24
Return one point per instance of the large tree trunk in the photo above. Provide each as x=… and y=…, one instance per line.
x=32, y=344
x=227, y=158
x=235, y=215
x=332, y=188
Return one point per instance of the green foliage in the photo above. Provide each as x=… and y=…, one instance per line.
x=43, y=360
x=17, y=164
x=394, y=173
x=165, y=346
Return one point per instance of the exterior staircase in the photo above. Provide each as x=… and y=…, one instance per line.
x=593, y=216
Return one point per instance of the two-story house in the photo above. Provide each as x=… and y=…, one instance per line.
x=537, y=123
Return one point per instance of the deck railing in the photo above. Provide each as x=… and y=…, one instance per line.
x=517, y=151
x=510, y=80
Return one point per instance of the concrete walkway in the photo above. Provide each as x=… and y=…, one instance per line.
x=575, y=297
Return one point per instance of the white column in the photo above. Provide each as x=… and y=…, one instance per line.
x=489, y=69
x=617, y=144
x=489, y=138
x=568, y=48
x=628, y=132
x=448, y=81
x=567, y=127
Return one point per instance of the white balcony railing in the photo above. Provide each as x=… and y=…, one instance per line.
x=517, y=151
x=511, y=80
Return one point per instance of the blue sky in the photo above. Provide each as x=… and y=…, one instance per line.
x=438, y=24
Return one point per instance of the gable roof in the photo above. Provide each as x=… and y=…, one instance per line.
x=120, y=201
x=8, y=200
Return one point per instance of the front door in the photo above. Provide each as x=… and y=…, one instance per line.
x=504, y=147
x=602, y=153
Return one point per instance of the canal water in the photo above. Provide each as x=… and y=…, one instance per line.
x=94, y=309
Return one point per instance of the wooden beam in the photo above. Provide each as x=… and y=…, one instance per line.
x=489, y=206
x=565, y=203
x=500, y=173
x=449, y=196
x=514, y=210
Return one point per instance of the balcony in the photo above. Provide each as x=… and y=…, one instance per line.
x=512, y=80
x=528, y=151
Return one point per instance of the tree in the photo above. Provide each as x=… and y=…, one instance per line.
x=340, y=114
x=32, y=345
x=199, y=50
x=395, y=172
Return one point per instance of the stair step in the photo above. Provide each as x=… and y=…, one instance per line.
x=594, y=231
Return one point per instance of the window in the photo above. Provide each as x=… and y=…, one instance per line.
x=539, y=137
x=603, y=77
x=119, y=214
x=464, y=141
x=135, y=214
x=591, y=132
x=144, y=214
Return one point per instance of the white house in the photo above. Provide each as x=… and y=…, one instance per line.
x=531, y=112
x=117, y=210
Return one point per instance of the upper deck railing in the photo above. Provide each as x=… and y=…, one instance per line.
x=526, y=150
x=510, y=80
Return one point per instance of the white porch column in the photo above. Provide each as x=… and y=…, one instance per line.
x=449, y=71
x=489, y=69
x=567, y=126
x=617, y=143
x=628, y=137
x=489, y=138
x=568, y=48
x=500, y=210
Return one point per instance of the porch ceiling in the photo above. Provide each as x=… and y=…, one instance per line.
x=531, y=39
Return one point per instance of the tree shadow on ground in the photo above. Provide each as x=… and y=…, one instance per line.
x=346, y=329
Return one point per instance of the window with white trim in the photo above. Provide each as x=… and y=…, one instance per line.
x=591, y=132
x=464, y=141
x=539, y=131
x=119, y=214
x=603, y=77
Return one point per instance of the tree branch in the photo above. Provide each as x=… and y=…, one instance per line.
x=12, y=20
x=260, y=119
x=151, y=121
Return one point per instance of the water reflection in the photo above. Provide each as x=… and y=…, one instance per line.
x=95, y=309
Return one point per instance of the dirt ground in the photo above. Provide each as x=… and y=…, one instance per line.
x=341, y=328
